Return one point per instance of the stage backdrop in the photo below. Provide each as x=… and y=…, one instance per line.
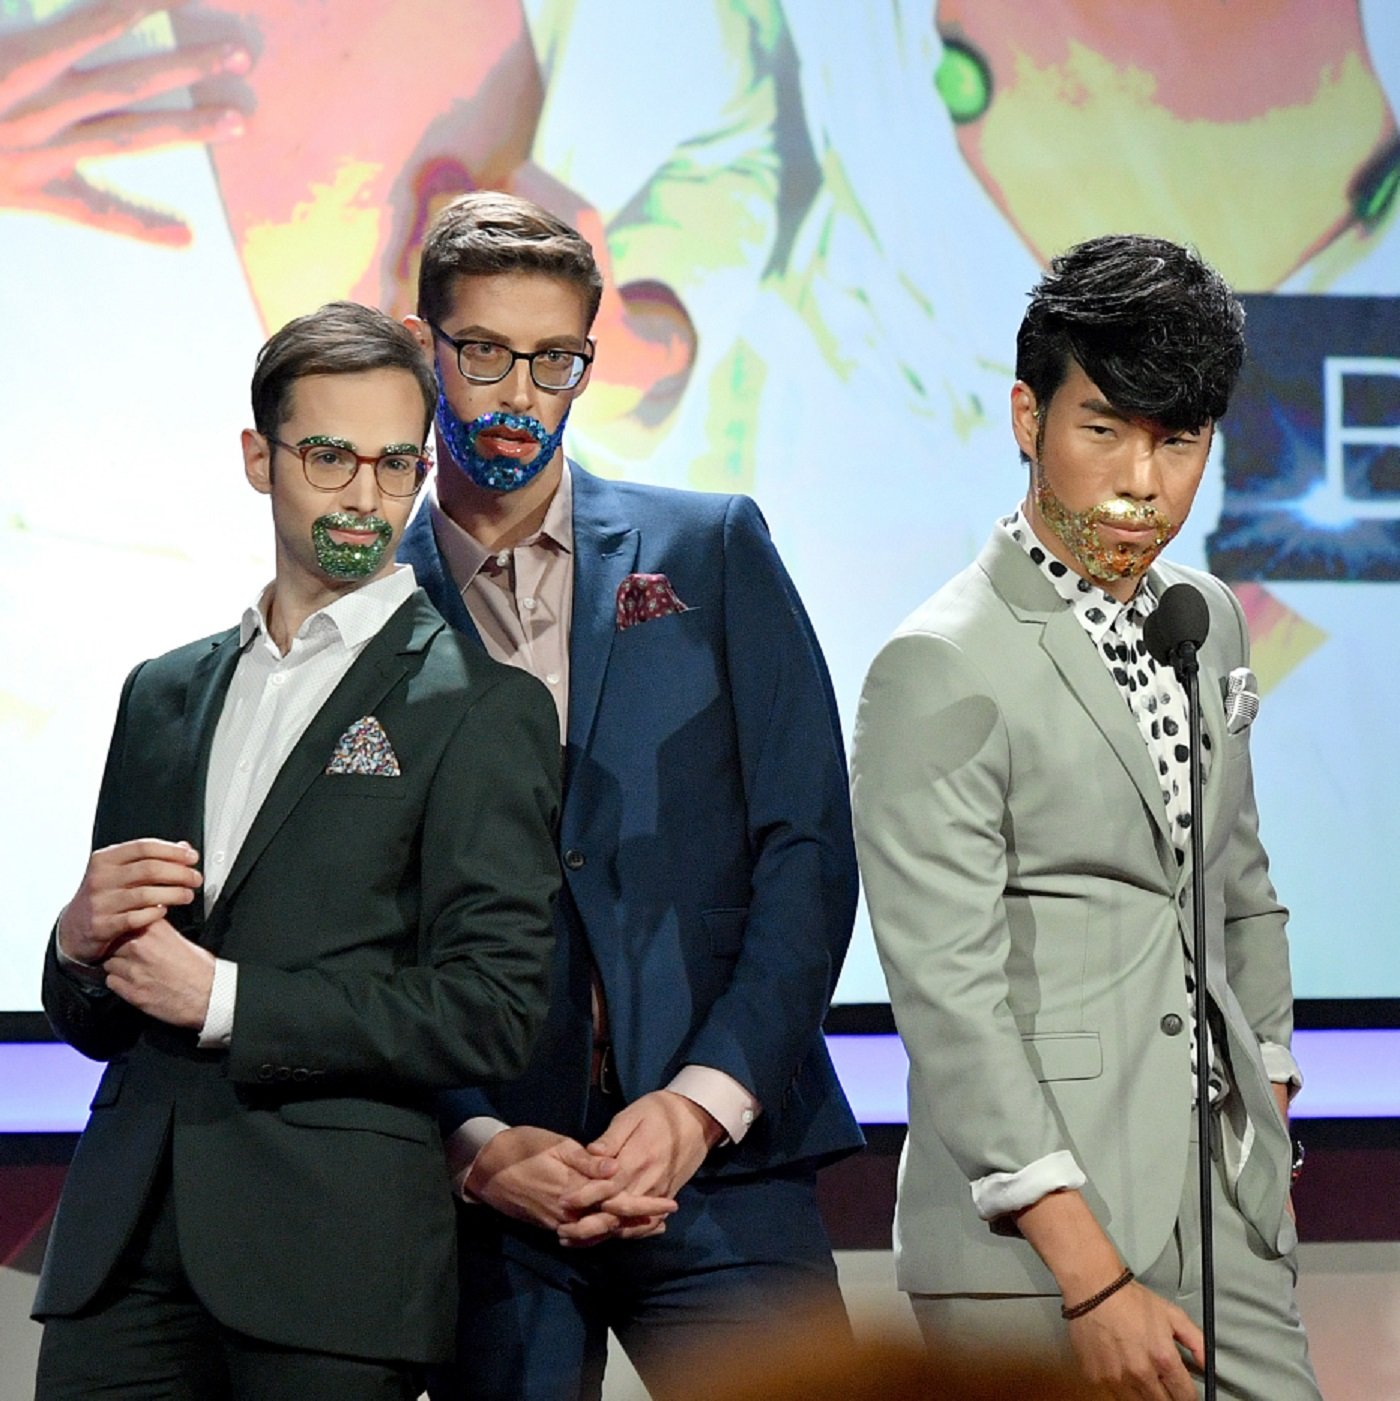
x=818, y=221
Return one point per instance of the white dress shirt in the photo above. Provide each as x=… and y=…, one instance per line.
x=271, y=700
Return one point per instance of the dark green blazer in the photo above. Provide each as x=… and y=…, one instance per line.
x=392, y=936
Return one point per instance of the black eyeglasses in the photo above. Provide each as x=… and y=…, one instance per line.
x=330, y=465
x=486, y=362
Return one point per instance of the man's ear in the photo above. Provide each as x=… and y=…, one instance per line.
x=422, y=333
x=1025, y=419
x=257, y=461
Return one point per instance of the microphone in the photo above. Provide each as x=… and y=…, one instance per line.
x=1173, y=632
x=1177, y=627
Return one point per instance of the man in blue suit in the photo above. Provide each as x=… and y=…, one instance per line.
x=653, y=1172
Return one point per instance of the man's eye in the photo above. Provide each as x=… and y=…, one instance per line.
x=400, y=466
x=328, y=457
x=481, y=350
x=556, y=357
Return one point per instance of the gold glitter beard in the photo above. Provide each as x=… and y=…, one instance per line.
x=1104, y=563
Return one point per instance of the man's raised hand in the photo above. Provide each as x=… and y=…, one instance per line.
x=125, y=889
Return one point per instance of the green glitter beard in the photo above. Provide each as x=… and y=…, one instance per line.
x=1105, y=564
x=350, y=561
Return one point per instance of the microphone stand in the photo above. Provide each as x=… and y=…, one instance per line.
x=1187, y=668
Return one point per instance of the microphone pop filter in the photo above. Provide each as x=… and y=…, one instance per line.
x=1181, y=616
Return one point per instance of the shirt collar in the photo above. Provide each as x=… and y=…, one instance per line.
x=1098, y=612
x=464, y=554
x=356, y=616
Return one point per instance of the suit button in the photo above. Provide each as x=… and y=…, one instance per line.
x=1172, y=1024
x=301, y=1073
x=284, y=1072
x=1181, y=898
x=574, y=859
x=264, y=1072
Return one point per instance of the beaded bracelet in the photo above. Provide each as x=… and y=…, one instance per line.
x=1094, y=1300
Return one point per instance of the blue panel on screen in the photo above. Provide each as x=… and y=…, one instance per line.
x=46, y=1087
x=1312, y=467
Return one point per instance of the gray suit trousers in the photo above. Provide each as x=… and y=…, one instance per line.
x=1261, y=1348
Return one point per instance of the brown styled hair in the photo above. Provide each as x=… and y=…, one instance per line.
x=487, y=232
x=342, y=338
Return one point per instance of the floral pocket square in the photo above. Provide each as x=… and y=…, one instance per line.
x=1241, y=699
x=642, y=598
x=365, y=749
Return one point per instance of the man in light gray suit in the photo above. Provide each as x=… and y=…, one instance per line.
x=1023, y=815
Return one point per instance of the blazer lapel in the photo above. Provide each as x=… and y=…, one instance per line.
x=204, y=703
x=419, y=548
x=605, y=552
x=1067, y=646
x=380, y=667
x=1213, y=727
x=1034, y=601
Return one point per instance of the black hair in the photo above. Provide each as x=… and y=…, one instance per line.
x=1153, y=325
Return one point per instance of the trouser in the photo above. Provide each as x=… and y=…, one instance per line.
x=148, y=1338
x=1261, y=1348
x=739, y=1258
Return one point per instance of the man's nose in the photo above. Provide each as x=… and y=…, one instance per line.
x=1139, y=475
x=517, y=388
x=361, y=495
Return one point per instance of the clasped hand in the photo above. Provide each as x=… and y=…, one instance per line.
x=623, y=1185
x=117, y=920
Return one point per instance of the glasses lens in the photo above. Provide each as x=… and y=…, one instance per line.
x=399, y=475
x=483, y=362
x=557, y=369
x=328, y=467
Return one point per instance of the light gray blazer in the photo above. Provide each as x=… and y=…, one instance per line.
x=1033, y=922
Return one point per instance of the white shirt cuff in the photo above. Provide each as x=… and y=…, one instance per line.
x=721, y=1096
x=217, y=1031
x=93, y=974
x=1001, y=1192
x=463, y=1144
x=1280, y=1066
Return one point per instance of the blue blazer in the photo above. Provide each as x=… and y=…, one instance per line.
x=709, y=867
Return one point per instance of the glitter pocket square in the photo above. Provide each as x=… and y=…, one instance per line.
x=365, y=749
x=1241, y=697
x=643, y=598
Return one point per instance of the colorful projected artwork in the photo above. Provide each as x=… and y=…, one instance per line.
x=818, y=224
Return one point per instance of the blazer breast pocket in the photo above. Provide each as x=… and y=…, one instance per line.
x=359, y=785
x=1064, y=1055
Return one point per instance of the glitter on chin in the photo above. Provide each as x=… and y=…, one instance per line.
x=341, y=561
x=497, y=473
x=1103, y=563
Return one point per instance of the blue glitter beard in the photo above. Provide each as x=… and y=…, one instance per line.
x=503, y=474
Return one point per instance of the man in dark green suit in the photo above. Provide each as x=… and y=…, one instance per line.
x=320, y=890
